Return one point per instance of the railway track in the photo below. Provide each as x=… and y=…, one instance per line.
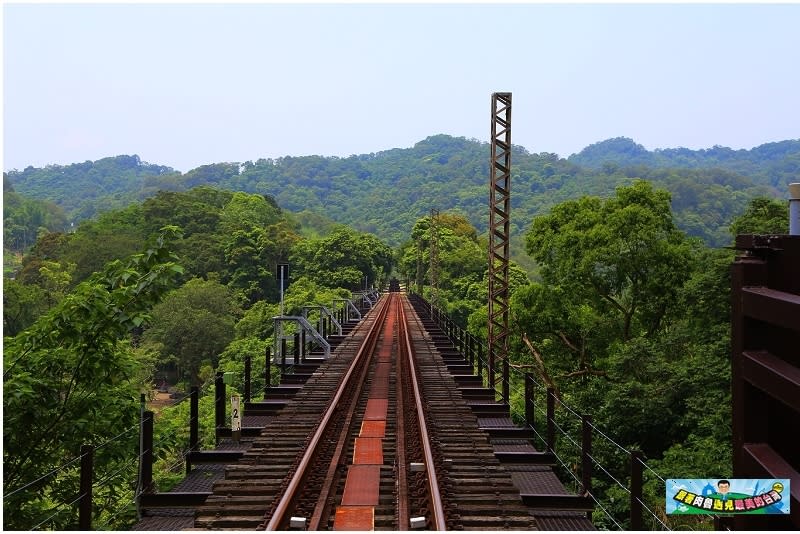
x=378, y=438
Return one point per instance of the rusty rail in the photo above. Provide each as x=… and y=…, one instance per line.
x=407, y=352
x=278, y=519
x=403, y=515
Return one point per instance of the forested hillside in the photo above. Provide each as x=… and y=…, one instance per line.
x=175, y=286
x=85, y=189
x=771, y=164
x=625, y=308
x=385, y=193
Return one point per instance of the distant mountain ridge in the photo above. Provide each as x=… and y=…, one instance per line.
x=386, y=192
x=768, y=164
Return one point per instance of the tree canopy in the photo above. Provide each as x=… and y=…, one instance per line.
x=615, y=290
x=71, y=378
x=385, y=193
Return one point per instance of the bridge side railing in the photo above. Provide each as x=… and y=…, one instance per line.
x=561, y=430
x=88, y=484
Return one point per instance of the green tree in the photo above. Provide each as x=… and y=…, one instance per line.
x=762, y=216
x=245, y=211
x=113, y=235
x=55, y=279
x=70, y=379
x=252, y=257
x=623, y=256
x=22, y=305
x=193, y=324
x=50, y=246
x=343, y=259
x=197, y=212
x=24, y=219
x=630, y=322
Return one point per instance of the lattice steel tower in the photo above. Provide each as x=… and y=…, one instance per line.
x=499, y=226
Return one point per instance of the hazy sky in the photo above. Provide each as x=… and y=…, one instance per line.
x=188, y=84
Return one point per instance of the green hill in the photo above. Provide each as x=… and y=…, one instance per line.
x=385, y=192
x=771, y=164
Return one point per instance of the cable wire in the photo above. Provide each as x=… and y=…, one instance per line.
x=565, y=467
x=570, y=410
x=81, y=496
x=541, y=438
x=652, y=513
x=604, y=510
x=136, y=426
x=108, y=477
x=620, y=447
x=555, y=423
x=609, y=474
x=119, y=511
x=56, y=470
x=651, y=470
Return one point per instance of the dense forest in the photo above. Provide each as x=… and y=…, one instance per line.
x=619, y=298
x=384, y=193
x=176, y=286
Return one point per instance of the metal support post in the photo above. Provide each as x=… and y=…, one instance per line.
x=267, y=371
x=147, y=455
x=499, y=237
x=480, y=361
x=296, y=348
x=490, y=369
x=551, y=419
x=506, y=381
x=194, y=424
x=247, y=363
x=85, y=504
x=636, y=491
x=586, y=451
x=529, y=393
x=219, y=401
x=283, y=355
x=433, y=254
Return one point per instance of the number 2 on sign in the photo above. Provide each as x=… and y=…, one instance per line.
x=236, y=421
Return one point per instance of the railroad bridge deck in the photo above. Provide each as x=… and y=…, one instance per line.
x=489, y=474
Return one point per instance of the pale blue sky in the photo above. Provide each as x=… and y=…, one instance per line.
x=189, y=84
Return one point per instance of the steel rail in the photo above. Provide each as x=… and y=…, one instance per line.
x=367, y=347
x=403, y=515
x=437, y=506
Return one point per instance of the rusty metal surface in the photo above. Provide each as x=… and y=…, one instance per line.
x=166, y=520
x=499, y=237
x=373, y=429
x=765, y=367
x=354, y=518
x=201, y=478
x=477, y=491
x=362, y=486
x=560, y=521
x=526, y=478
x=533, y=479
x=241, y=491
x=376, y=410
x=368, y=451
